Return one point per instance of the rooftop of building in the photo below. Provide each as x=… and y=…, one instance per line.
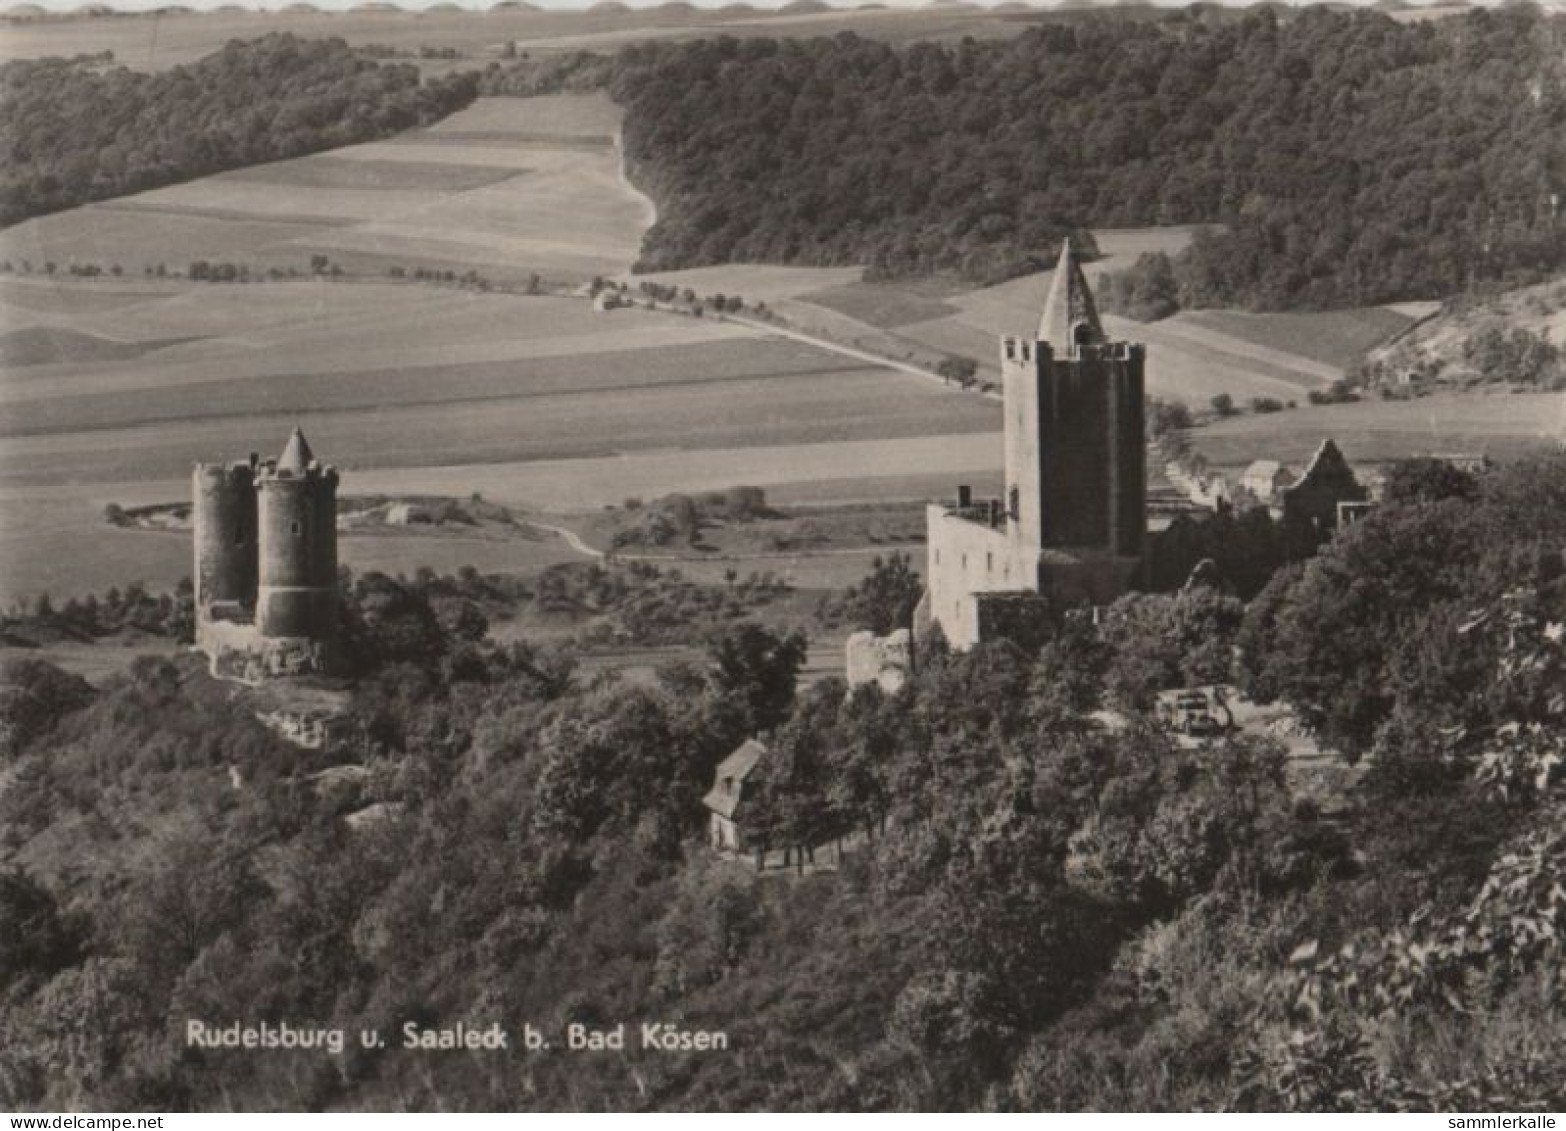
x=724, y=796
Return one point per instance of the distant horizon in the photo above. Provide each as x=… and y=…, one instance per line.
x=338, y=7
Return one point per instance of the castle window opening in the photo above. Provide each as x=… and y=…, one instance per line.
x=294, y=527
x=239, y=535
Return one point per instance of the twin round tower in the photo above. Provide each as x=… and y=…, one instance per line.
x=266, y=562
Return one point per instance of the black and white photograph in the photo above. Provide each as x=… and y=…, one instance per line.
x=800, y=556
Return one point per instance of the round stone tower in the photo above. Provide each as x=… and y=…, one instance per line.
x=296, y=598
x=224, y=498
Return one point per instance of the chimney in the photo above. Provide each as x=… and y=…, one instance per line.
x=964, y=497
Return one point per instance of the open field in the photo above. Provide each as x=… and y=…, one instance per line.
x=507, y=187
x=1501, y=426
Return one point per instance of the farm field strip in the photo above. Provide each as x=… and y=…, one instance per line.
x=306, y=204
x=437, y=150
x=1222, y=353
x=378, y=390
x=137, y=238
x=1335, y=339
x=668, y=351
x=753, y=281
x=200, y=210
x=1270, y=361
x=41, y=297
x=732, y=414
x=374, y=172
x=327, y=327
x=878, y=306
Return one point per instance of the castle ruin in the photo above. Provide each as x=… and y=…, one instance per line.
x=1072, y=526
x=266, y=562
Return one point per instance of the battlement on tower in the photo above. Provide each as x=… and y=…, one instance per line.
x=1028, y=350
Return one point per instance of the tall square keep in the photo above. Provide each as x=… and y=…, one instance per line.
x=1072, y=527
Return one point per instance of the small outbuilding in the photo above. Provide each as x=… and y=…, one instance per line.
x=726, y=799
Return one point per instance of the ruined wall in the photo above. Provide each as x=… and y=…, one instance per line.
x=883, y=660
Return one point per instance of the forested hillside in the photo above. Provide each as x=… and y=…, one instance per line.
x=1044, y=913
x=1352, y=159
x=81, y=130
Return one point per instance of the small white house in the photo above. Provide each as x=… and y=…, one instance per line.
x=727, y=795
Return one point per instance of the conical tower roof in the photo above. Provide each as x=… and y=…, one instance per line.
x=297, y=456
x=1070, y=316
